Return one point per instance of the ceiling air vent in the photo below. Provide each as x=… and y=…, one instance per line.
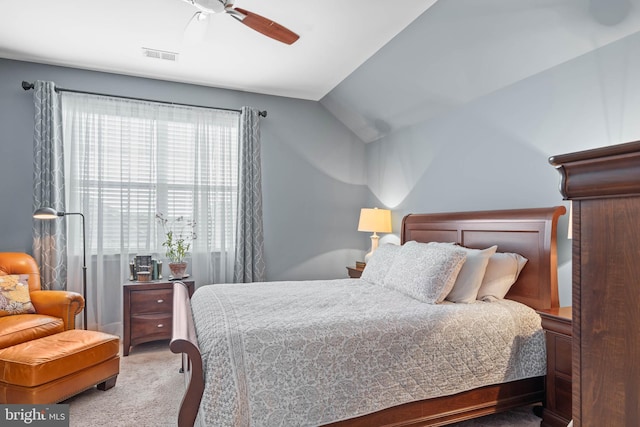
x=160, y=54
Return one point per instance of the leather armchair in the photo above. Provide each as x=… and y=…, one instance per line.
x=55, y=310
x=43, y=358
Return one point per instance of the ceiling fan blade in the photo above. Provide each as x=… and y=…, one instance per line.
x=265, y=26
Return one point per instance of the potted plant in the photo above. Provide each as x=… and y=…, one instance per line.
x=179, y=233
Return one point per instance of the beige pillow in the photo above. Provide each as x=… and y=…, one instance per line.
x=425, y=272
x=465, y=289
x=502, y=272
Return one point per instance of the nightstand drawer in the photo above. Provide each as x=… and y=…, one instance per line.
x=152, y=301
x=151, y=326
x=563, y=397
x=563, y=354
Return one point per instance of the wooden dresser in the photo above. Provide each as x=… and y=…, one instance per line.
x=604, y=186
x=148, y=311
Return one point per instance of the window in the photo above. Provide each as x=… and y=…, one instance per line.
x=126, y=160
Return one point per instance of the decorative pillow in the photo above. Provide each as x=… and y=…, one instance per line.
x=502, y=272
x=379, y=264
x=465, y=288
x=425, y=272
x=14, y=295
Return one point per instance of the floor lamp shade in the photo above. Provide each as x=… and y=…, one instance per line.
x=47, y=213
x=377, y=221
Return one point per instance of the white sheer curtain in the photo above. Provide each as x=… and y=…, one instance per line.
x=125, y=161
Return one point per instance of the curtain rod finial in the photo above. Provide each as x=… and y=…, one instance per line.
x=27, y=85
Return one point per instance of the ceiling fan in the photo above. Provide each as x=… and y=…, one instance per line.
x=252, y=20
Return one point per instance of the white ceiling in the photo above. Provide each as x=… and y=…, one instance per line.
x=335, y=38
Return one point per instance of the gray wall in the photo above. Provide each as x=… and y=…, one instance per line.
x=492, y=153
x=313, y=167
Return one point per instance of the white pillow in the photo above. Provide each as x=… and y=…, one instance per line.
x=502, y=272
x=465, y=289
x=379, y=264
x=425, y=272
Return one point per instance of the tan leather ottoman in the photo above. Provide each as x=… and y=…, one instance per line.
x=56, y=367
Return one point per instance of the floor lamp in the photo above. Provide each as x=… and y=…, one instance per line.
x=50, y=213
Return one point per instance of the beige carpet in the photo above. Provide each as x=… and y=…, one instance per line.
x=147, y=393
x=149, y=390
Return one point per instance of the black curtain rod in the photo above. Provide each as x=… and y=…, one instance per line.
x=29, y=86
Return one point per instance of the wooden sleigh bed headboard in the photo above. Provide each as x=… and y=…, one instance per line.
x=529, y=232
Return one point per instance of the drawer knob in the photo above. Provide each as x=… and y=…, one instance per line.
x=160, y=325
x=160, y=301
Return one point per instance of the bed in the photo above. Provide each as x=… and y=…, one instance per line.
x=528, y=232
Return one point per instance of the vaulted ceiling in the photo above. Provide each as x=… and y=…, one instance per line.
x=460, y=50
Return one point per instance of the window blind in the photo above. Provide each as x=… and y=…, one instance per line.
x=127, y=160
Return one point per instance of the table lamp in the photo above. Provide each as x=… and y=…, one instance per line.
x=377, y=221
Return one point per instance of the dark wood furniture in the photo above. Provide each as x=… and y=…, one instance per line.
x=604, y=187
x=557, y=326
x=148, y=311
x=530, y=232
x=355, y=272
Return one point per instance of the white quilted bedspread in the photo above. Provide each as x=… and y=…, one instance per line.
x=313, y=352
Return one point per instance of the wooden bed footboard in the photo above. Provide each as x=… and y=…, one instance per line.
x=440, y=411
x=185, y=341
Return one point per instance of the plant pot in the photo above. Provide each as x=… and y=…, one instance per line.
x=177, y=269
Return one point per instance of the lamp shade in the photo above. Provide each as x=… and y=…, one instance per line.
x=375, y=220
x=47, y=213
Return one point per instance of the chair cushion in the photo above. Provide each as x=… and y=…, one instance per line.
x=40, y=361
x=26, y=327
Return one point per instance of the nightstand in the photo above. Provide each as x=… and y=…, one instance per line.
x=148, y=311
x=557, y=326
x=355, y=272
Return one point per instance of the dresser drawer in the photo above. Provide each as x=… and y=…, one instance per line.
x=152, y=301
x=151, y=326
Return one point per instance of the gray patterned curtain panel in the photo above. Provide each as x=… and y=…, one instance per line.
x=49, y=241
x=249, y=262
